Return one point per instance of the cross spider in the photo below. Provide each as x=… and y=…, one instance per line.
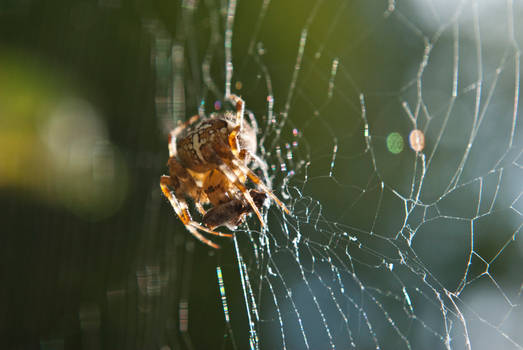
x=209, y=164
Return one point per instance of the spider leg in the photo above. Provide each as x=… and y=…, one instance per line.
x=209, y=231
x=226, y=169
x=244, y=153
x=180, y=207
x=178, y=172
x=259, y=183
x=261, y=164
x=185, y=218
x=233, y=141
x=199, y=207
x=263, y=167
x=253, y=122
x=177, y=131
x=233, y=144
x=240, y=108
x=212, y=155
x=200, y=237
x=165, y=183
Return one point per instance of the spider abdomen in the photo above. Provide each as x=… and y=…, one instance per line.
x=196, y=147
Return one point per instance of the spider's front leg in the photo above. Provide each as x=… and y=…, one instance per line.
x=180, y=207
x=256, y=180
x=180, y=177
x=178, y=172
x=240, y=108
x=214, y=154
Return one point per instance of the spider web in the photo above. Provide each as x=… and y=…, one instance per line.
x=387, y=247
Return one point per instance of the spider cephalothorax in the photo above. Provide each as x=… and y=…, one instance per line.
x=209, y=164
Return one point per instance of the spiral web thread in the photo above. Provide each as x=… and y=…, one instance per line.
x=399, y=154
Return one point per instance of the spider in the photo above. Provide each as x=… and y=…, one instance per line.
x=208, y=163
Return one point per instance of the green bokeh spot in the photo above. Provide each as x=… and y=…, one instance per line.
x=394, y=143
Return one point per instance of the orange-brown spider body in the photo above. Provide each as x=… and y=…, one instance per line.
x=208, y=163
